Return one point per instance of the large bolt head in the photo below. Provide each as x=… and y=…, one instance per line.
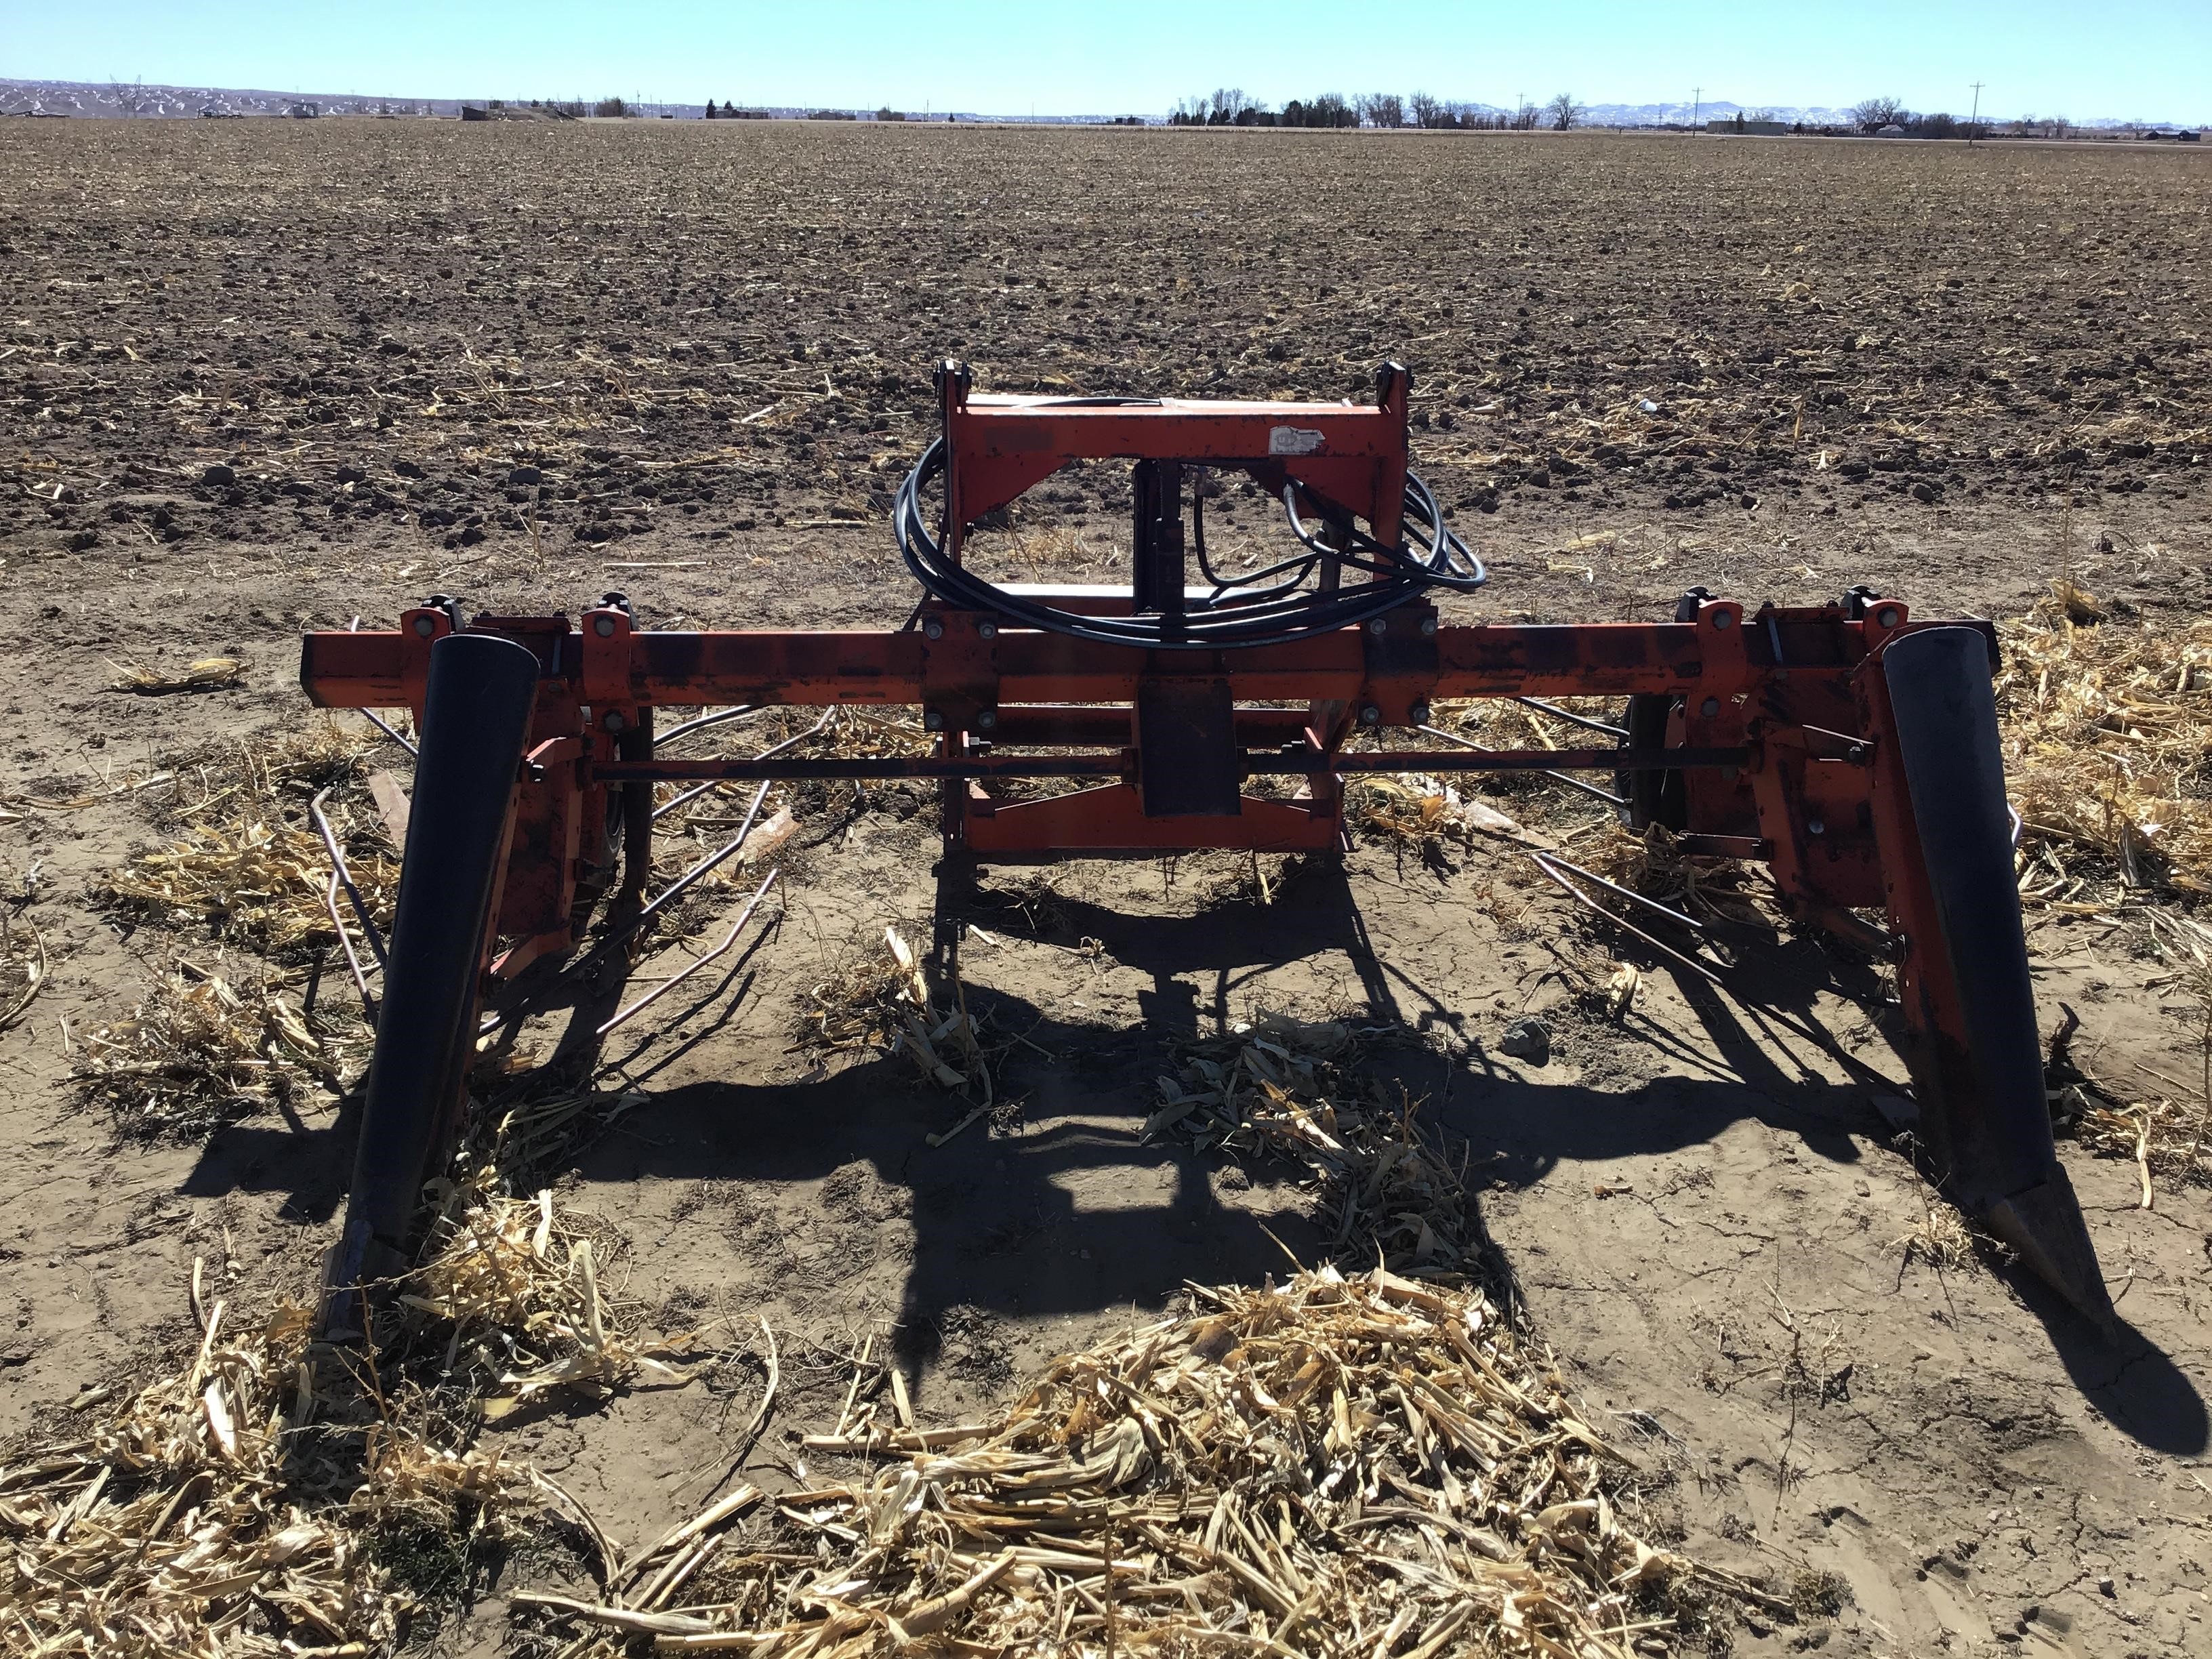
x=1709, y=708
x=987, y=720
x=612, y=720
x=603, y=627
x=1370, y=715
x=932, y=629
x=932, y=720
x=1886, y=616
x=988, y=630
x=425, y=627
x=1379, y=626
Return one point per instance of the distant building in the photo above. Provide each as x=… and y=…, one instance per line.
x=1744, y=125
x=303, y=111
x=1893, y=131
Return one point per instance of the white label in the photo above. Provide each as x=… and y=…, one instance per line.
x=1293, y=441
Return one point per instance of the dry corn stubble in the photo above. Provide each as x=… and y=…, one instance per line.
x=276, y=1496
x=22, y=965
x=248, y=861
x=207, y=674
x=198, y=1053
x=2106, y=726
x=876, y=996
x=1337, y=1466
x=1279, y=1086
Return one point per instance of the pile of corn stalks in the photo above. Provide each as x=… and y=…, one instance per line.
x=259, y=882
x=879, y=998
x=2106, y=726
x=198, y=1054
x=208, y=674
x=515, y=1288
x=247, y=862
x=176, y=1527
x=1363, y=1465
x=243, y=1506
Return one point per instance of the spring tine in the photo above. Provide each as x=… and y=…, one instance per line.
x=370, y=715
x=1552, y=709
x=342, y=877
x=673, y=981
x=1666, y=910
x=1591, y=904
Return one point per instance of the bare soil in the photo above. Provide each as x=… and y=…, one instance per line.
x=532, y=364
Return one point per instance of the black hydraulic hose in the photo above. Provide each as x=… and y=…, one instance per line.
x=1230, y=616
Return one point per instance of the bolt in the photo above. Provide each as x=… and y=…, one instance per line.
x=612, y=720
x=1428, y=628
x=603, y=627
x=987, y=720
x=933, y=629
x=1814, y=827
x=1722, y=618
x=1370, y=715
x=1419, y=712
x=1885, y=616
x=1379, y=626
x=1856, y=754
x=1709, y=708
x=987, y=630
x=425, y=627
x=932, y=720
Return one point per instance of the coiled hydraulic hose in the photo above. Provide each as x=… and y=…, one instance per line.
x=1267, y=606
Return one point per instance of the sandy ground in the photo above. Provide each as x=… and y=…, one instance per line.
x=374, y=324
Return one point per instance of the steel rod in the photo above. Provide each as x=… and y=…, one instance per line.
x=343, y=876
x=705, y=720
x=768, y=753
x=371, y=715
x=1553, y=773
x=868, y=767
x=1585, y=900
x=1629, y=893
x=1552, y=709
x=671, y=983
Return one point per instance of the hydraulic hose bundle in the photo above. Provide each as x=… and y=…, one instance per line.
x=1269, y=605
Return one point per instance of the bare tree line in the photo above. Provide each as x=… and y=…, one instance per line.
x=1231, y=106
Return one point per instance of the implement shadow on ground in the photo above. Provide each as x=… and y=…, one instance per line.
x=1073, y=1212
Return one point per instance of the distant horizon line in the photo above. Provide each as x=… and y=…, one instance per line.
x=1718, y=107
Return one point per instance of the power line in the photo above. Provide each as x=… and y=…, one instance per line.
x=1697, y=105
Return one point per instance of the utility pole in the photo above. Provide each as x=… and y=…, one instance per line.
x=1697, y=105
x=1973, y=120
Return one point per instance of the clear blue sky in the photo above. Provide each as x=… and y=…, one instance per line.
x=2081, y=58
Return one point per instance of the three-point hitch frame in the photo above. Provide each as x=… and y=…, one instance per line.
x=1850, y=748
